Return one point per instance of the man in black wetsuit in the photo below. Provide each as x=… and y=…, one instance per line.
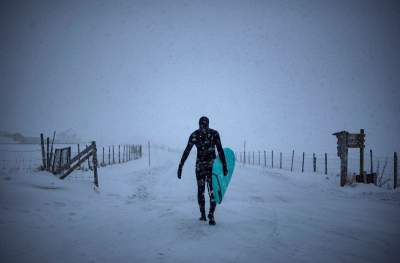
x=205, y=140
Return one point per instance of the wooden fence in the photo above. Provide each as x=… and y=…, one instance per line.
x=322, y=164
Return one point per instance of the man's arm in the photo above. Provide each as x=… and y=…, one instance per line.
x=187, y=150
x=185, y=155
x=221, y=153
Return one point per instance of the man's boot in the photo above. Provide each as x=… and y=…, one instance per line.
x=211, y=220
x=203, y=214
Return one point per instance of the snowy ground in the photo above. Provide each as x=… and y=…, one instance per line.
x=150, y=216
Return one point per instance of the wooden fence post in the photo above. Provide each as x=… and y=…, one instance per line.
x=302, y=163
x=103, y=157
x=326, y=163
x=43, y=151
x=253, y=157
x=291, y=166
x=148, y=144
x=280, y=160
x=371, y=168
x=244, y=152
x=109, y=155
x=88, y=161
x=79, y=151
x=395, y=170
x=265, y=158
x=362, y=174
x=51, y=151
x=343, y=167
x=113, y=155
x=314, y=163
x=94, y=159
x=272, y=158
x=119, y=153
x=48, y=153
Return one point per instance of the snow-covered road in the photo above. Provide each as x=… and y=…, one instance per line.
x=142, y=215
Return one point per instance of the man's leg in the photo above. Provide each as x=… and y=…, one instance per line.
x=213, y=204
x=201, y=184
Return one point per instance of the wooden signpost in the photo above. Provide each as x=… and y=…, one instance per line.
x=345, y=141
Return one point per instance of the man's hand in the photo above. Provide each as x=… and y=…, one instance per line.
x=225, y=170
x=179, y=171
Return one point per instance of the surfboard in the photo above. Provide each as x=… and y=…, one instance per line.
x=219, y=181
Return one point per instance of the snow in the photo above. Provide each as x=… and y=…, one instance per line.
x=148, y=215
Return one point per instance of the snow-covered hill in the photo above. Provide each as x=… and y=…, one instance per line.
x=142, y=215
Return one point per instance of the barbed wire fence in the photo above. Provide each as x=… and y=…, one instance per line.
x=323, y=164
x=27, y=158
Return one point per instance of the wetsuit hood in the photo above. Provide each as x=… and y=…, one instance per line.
x=203, y=123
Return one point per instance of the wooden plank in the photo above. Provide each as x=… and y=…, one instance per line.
x=353, y=140
x=79, y=151
x=81, y=154
x=53, y=170
x=73, y=167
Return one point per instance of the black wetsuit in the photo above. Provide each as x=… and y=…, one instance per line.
x=205, y=140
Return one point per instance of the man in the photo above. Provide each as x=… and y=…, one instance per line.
x=205, y=140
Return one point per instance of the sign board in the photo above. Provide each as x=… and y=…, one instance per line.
x=353, y=140
x=347, y=140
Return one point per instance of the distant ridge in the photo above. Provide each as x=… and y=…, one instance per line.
x=66, y=137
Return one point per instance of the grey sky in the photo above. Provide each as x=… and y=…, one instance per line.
x=280, y=74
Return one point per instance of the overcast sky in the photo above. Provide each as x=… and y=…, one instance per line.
x=280, y=74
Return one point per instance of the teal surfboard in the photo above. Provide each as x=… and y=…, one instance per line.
x=219, y=181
